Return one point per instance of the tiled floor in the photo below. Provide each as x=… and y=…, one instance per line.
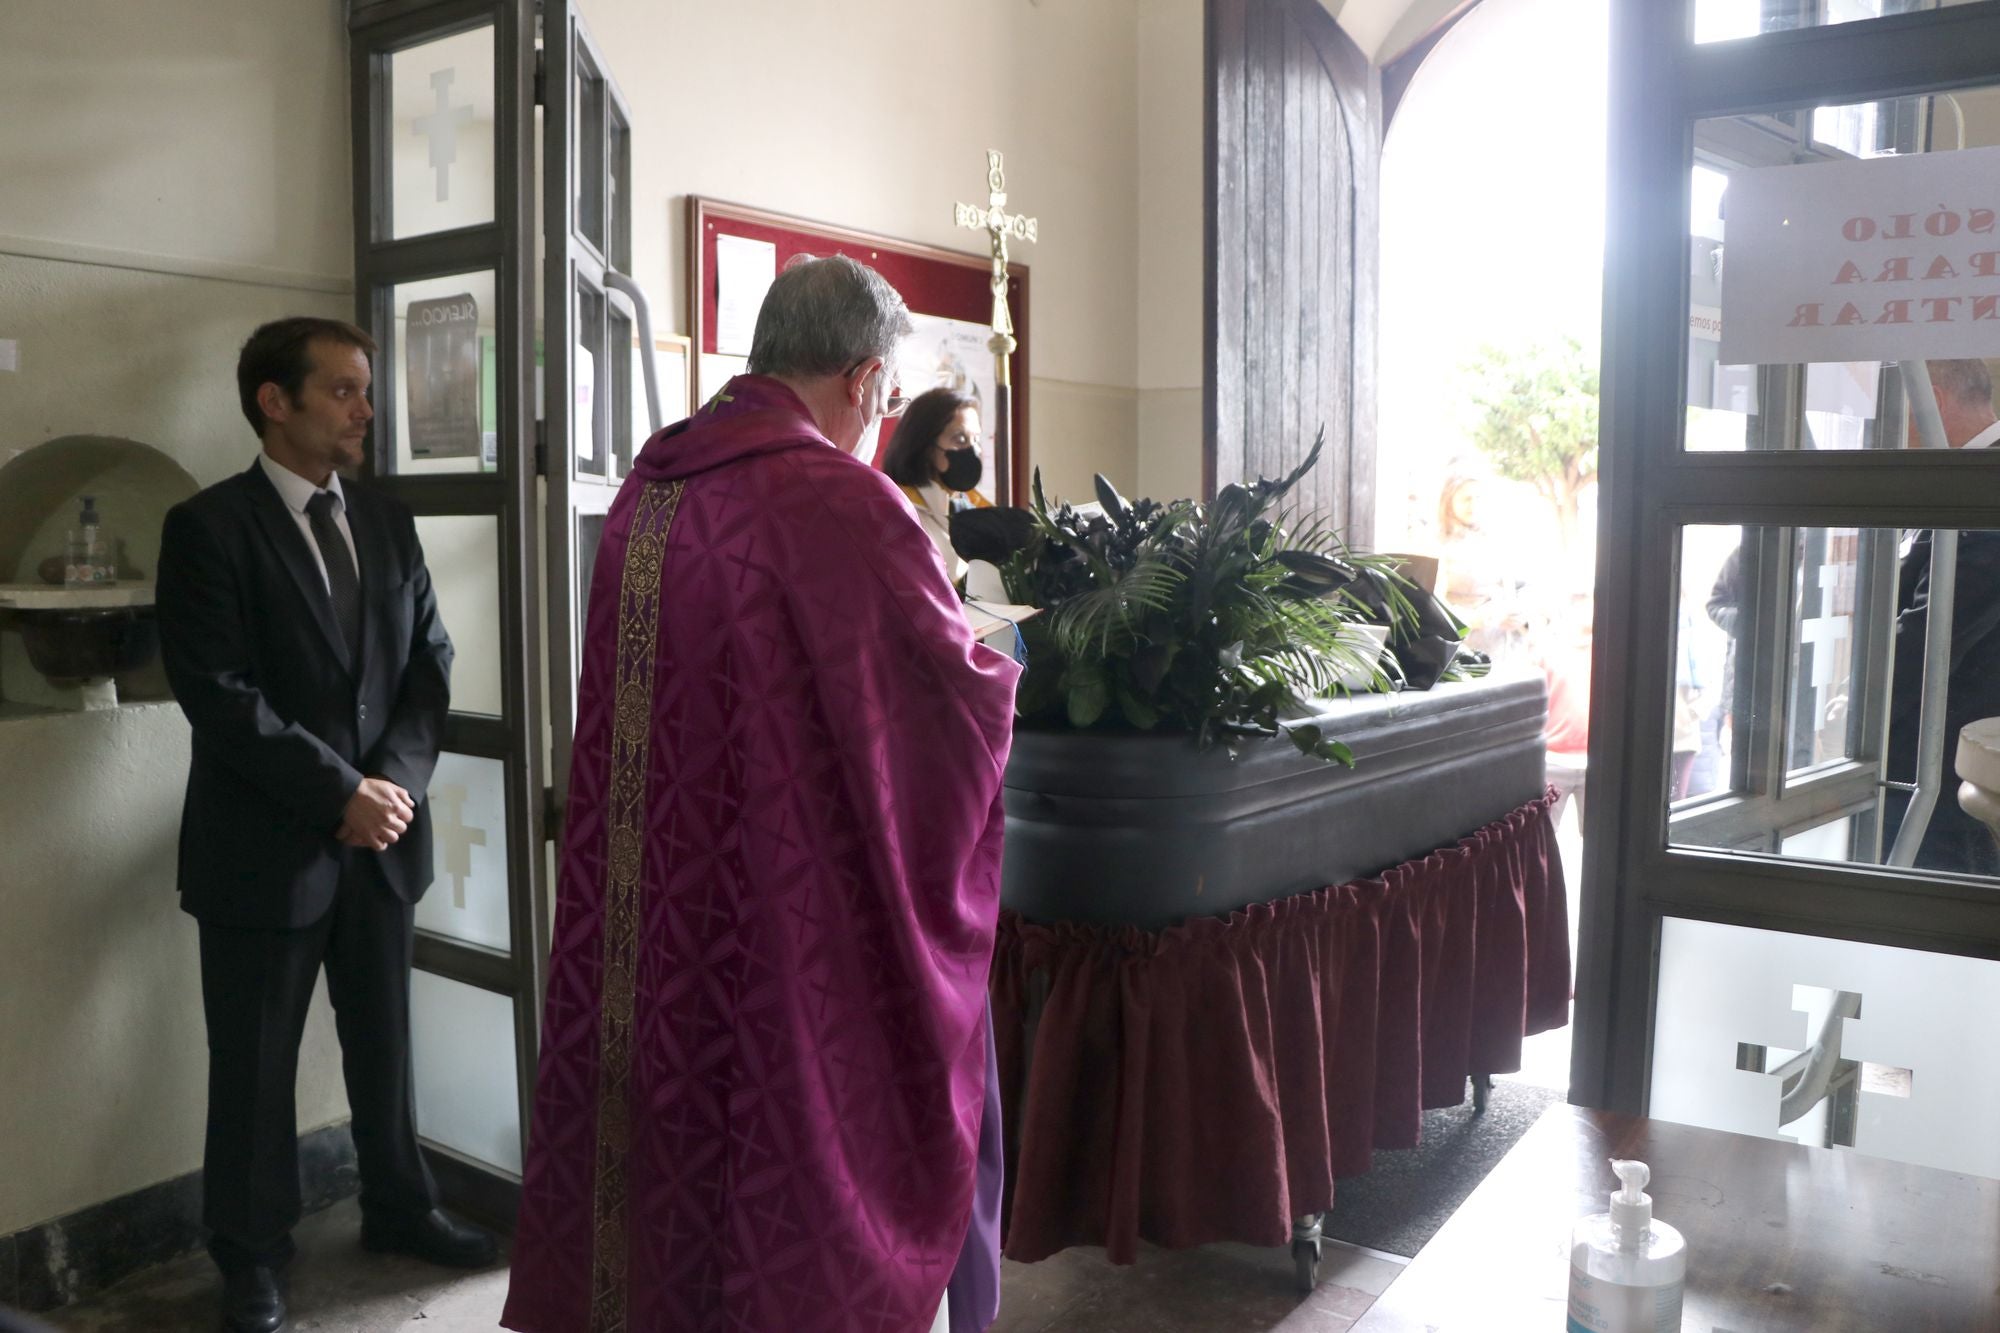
x=336, y=1288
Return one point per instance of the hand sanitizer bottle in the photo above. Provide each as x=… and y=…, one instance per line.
x=83, y=560
x=1626, y=1271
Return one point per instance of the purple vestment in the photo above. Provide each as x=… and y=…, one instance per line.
x=766, y=1088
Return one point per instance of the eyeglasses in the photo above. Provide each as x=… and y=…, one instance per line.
x=896, y=404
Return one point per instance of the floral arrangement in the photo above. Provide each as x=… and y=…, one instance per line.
x=1217, y=620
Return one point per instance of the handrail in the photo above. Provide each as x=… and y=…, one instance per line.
x=1937, y=636
x=642, y=312
x=1809, y=1073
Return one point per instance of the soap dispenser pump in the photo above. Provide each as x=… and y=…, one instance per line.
x=1627, y=1271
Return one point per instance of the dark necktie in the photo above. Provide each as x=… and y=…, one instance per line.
x=341, y=583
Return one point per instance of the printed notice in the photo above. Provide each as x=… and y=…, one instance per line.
x=744, y=271
x=1890, y=259
x=441, y=376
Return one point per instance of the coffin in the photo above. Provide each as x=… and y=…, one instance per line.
x=1144, y=830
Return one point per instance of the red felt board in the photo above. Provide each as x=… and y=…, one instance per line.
x=932, y=281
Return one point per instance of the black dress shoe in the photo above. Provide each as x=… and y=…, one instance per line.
x=251, y=1302
x=433, y=1237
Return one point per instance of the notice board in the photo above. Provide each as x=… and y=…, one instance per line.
x=944, y=284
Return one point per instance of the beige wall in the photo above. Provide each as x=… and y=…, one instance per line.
x=200, y=139
x=877, y=114
x=1171, y=205
x=100, y=1013
x=196, y=131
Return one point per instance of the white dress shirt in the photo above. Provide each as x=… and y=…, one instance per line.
x=1986, y=439
x=297, y=492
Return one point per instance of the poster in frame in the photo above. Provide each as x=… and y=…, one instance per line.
x=671, y=362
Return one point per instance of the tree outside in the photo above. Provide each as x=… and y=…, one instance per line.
x=1536, y=420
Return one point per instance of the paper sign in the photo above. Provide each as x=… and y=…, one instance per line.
x=715, y=372
x=1888, y=259
x=441, y=371
x=10, y=354
x=744, y=271
x=584, y=425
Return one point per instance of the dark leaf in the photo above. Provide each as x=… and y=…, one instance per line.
x=1088, y=699
x=1108, y=496
x=1313, y=574
x=994, y=534
x=1137, y=711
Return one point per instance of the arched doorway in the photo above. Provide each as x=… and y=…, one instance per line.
x=1492, y=252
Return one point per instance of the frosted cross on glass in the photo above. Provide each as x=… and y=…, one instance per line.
x=1818, y=1087
x=998, y=224
x=455, y=837
x=441, y=125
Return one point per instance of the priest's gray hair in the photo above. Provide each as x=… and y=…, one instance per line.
x=822, y=316
x=1967, y=381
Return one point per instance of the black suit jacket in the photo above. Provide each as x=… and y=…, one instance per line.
x=285, y=725
x=1953, y=840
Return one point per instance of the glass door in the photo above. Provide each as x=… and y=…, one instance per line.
x=1789, y=924
x=443, y=109
x=594, y=317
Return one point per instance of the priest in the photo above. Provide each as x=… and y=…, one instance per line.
x=766, y=1097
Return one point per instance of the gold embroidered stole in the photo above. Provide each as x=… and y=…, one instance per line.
x=632, y=694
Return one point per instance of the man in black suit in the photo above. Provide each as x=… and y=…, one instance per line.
x=301, y=635
x=1953, y=840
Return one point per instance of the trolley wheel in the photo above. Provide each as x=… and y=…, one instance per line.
x=1305, y=1264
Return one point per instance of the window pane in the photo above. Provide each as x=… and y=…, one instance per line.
x=628, y=395
x=1814, y=273
x=596, y=381
x=1828, y=1042
x=1726, y=20
x=1798, y=693
x=463, y=553
x=590, y=150
x=442, y=357
x=617, y=169
x=462, y=1043
x=441, y=134
x=1822, y=647
x=468, y=899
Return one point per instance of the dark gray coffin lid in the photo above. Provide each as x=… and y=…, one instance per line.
x=1147, y=831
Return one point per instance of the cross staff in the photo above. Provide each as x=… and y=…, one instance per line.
x=999, y=224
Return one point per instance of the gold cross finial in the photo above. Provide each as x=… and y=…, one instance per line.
x=998, y=224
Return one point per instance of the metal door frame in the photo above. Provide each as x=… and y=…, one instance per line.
x=586, y=113
x=1661, y=83
x=507, y=495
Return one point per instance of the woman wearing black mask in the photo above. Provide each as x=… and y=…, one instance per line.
x=935, y=457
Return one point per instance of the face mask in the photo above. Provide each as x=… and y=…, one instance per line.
x=864, y=448
x=962, y=469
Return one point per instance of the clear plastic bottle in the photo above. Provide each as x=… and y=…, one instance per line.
x=1627, y=1272
x=84, y=565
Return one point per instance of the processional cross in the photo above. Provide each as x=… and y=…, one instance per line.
x=999, y=224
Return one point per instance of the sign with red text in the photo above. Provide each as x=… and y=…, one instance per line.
x=1888, y=259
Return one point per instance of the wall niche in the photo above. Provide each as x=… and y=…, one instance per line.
x=68, y=648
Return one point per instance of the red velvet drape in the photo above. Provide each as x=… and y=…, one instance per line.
x=1211, y=1081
